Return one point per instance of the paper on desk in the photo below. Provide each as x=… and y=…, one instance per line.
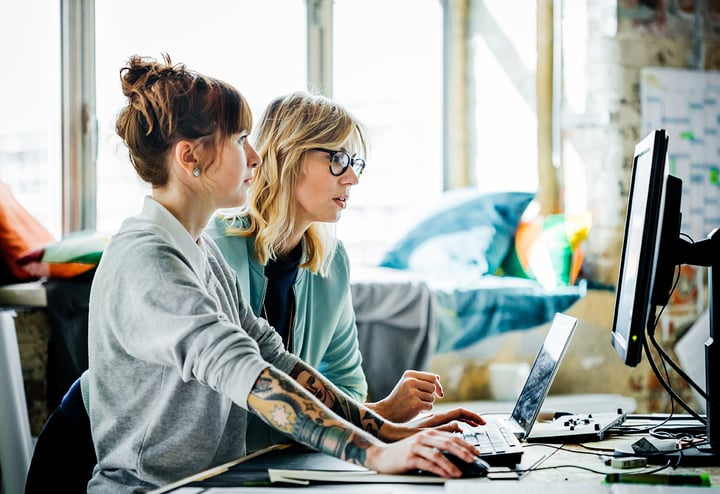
x=304, y=477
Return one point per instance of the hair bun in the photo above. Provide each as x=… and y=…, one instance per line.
x=143, y=72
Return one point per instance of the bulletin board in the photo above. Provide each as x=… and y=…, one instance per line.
x=686, y=103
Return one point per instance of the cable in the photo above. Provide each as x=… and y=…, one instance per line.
x=669, y=464
x=655, y=430
x=667, y=386
x=663, y=354
x=665, y=358
x=557, y=467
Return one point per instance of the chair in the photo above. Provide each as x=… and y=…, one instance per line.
x=64, y=453
x=15, y=438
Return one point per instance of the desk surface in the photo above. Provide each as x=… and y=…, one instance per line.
x=568, y=469
x=562, y=480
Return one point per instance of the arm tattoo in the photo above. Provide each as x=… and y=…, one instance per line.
x=335, y=399
x=286, y=406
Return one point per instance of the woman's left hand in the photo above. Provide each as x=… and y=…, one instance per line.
x=448, y=420
x=444, y=421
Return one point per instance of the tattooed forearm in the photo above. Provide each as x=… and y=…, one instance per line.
x=335, y=400
x=286, y=406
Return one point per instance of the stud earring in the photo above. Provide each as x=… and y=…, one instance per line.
x=196, y=171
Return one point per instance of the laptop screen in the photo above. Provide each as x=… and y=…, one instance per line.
x=543, y=371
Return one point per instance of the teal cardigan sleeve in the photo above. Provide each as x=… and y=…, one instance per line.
x=342, y=361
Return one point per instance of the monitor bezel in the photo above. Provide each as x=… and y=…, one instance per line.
x=629, y=323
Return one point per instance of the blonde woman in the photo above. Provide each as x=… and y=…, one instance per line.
x=292, y=270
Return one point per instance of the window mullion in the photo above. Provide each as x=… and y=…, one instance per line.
x=79, y=123
x=457, y=170
x=319, y=45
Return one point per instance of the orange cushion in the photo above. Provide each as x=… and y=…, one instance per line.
x=19, y=233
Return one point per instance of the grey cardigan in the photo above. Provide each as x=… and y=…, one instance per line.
x=173, y=355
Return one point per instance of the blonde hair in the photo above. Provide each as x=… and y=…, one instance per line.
x=290, y=126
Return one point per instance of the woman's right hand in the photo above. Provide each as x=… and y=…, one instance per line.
x=421, y=451
x=415, y=392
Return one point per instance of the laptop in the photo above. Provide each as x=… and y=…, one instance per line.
x=504, y=447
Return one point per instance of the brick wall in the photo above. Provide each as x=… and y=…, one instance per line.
x=600, y=116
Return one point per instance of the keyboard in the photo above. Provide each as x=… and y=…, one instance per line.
x=497, y=444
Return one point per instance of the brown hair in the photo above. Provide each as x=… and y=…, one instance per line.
x=167, y=103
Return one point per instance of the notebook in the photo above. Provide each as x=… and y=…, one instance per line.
x=503, y=447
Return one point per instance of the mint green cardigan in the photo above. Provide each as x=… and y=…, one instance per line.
x=324, y=332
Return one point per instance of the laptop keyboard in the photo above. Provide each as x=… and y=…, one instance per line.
x=497, y=444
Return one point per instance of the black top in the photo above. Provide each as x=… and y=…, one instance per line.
x=279, y=304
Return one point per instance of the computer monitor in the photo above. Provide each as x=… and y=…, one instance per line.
x=652, y=248
x=644, y=227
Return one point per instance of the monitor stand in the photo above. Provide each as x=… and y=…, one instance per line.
x=705, y=253
x=702, y=253
x=707, y=250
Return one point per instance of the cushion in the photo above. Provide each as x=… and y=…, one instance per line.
x=548, y=249
x=74, y=254
x=470, y=228
x=19, y=232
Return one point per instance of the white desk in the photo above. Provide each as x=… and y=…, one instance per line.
x=563, y=480
x=15, y=438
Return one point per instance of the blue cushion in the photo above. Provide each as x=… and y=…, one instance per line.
x=470, y=228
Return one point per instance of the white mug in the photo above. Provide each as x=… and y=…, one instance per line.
x=507, y=380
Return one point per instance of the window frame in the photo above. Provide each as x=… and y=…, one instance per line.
x=78, y=121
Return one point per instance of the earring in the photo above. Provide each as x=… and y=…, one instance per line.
x=196, y=171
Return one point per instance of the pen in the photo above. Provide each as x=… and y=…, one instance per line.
x=701, y=479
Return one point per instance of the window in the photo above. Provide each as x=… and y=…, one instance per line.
x=391, y=78
x=389, y=72
x=503, y=59
x=259, y=47
x=30, y=127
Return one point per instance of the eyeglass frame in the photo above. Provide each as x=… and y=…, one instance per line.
x=350, y=163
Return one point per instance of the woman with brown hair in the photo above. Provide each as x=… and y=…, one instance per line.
x=177, y=359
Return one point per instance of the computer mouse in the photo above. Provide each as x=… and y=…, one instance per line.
x=476, y=468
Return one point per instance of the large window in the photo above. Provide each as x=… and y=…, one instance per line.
x=388, y=73
x=383, y=60
x=257, y=46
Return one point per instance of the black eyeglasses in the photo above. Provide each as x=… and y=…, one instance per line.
x=340, y=161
